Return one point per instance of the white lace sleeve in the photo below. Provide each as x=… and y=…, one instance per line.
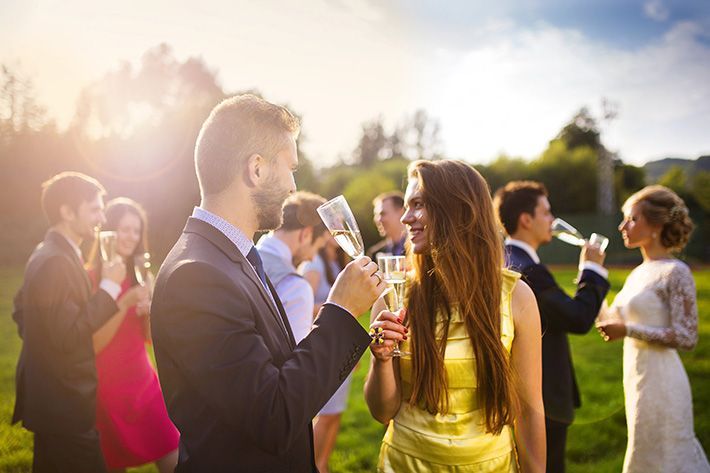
x=681, y=298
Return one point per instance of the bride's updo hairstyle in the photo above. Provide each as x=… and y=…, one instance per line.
x=661, y=206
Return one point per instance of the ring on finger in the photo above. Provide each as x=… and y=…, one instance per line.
x=377, y=334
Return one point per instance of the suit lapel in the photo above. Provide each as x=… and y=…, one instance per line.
x=220, y=240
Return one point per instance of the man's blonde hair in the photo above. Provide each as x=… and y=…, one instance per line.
x=237, y=128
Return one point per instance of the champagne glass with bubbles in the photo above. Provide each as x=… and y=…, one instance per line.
x=393, y=269
x=107, y=244
x=339, y=219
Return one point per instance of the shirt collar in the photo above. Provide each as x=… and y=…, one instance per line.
x=271, y=244
x=243, y=243
x=525, y=247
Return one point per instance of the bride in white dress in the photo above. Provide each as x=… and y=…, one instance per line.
x=656, y=313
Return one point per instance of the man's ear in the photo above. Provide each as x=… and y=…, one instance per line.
x=305, y=235
x=67, y=213
x=255, y=169
x=525, y=221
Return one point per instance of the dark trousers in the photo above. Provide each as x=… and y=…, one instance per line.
x=68, y=453
x=556, y=434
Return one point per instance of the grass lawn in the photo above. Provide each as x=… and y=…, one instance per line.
x=596, y=440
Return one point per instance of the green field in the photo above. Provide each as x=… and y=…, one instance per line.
x=596, y=441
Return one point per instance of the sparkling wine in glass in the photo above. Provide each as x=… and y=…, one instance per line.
x=107, y=244
x=393, y=269
x=567, y=233
x=339, y=219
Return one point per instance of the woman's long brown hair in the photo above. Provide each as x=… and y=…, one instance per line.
x=461, y=271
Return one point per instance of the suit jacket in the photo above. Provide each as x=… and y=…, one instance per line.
x=237, y=387
x=386, y=246
x=56, y=315
x=561, y=314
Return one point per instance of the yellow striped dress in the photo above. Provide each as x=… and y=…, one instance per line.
x=418, y=441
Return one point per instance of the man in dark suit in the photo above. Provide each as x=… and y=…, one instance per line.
x=56, y=315
x=524, y=211
x=237, y=386
x=388, y=209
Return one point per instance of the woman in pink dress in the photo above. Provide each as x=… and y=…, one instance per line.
x=131, y=416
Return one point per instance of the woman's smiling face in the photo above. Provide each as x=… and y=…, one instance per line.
x=415, y=217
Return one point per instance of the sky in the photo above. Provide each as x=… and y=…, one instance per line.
x=500, y=77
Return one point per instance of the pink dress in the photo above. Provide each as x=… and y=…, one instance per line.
x=131, y=416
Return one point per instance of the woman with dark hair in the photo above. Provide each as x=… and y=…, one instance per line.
x=656, y=313
x=468, y=398
x=131, y=416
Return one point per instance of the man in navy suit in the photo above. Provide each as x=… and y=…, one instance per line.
x=524, y=211
x=239, y=388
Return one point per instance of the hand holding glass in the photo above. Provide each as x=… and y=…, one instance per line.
x=600, y=241
x=393, y=269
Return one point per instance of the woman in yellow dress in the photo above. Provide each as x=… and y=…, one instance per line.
x=468, y=397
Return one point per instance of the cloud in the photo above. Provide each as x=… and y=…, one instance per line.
x=363, y=9
x=514, y=93
x=656, y=11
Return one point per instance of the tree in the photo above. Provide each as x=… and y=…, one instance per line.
x=373, y=143
x=127, y=100
x=627, y=180
x=418, y=137
x=674, y=179
x=307, y=178
x=415, y=137
x=136, y=129
x=700, y=188
x=19, y=110
x=583, y=131
x=503, y=170
x=569, y=175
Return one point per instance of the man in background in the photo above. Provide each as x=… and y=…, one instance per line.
x=57, y=315
x=524, y=211
x=298, y=239
x=388, y=209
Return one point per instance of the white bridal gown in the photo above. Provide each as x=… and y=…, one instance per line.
x=658, y=304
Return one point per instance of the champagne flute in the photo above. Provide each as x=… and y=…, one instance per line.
x=394, y=273
x=567, y=233
x=141, y=267
x=339, y=219
x=107, y=243
x=599, y=240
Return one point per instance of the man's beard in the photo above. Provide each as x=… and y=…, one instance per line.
x=269, y=206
